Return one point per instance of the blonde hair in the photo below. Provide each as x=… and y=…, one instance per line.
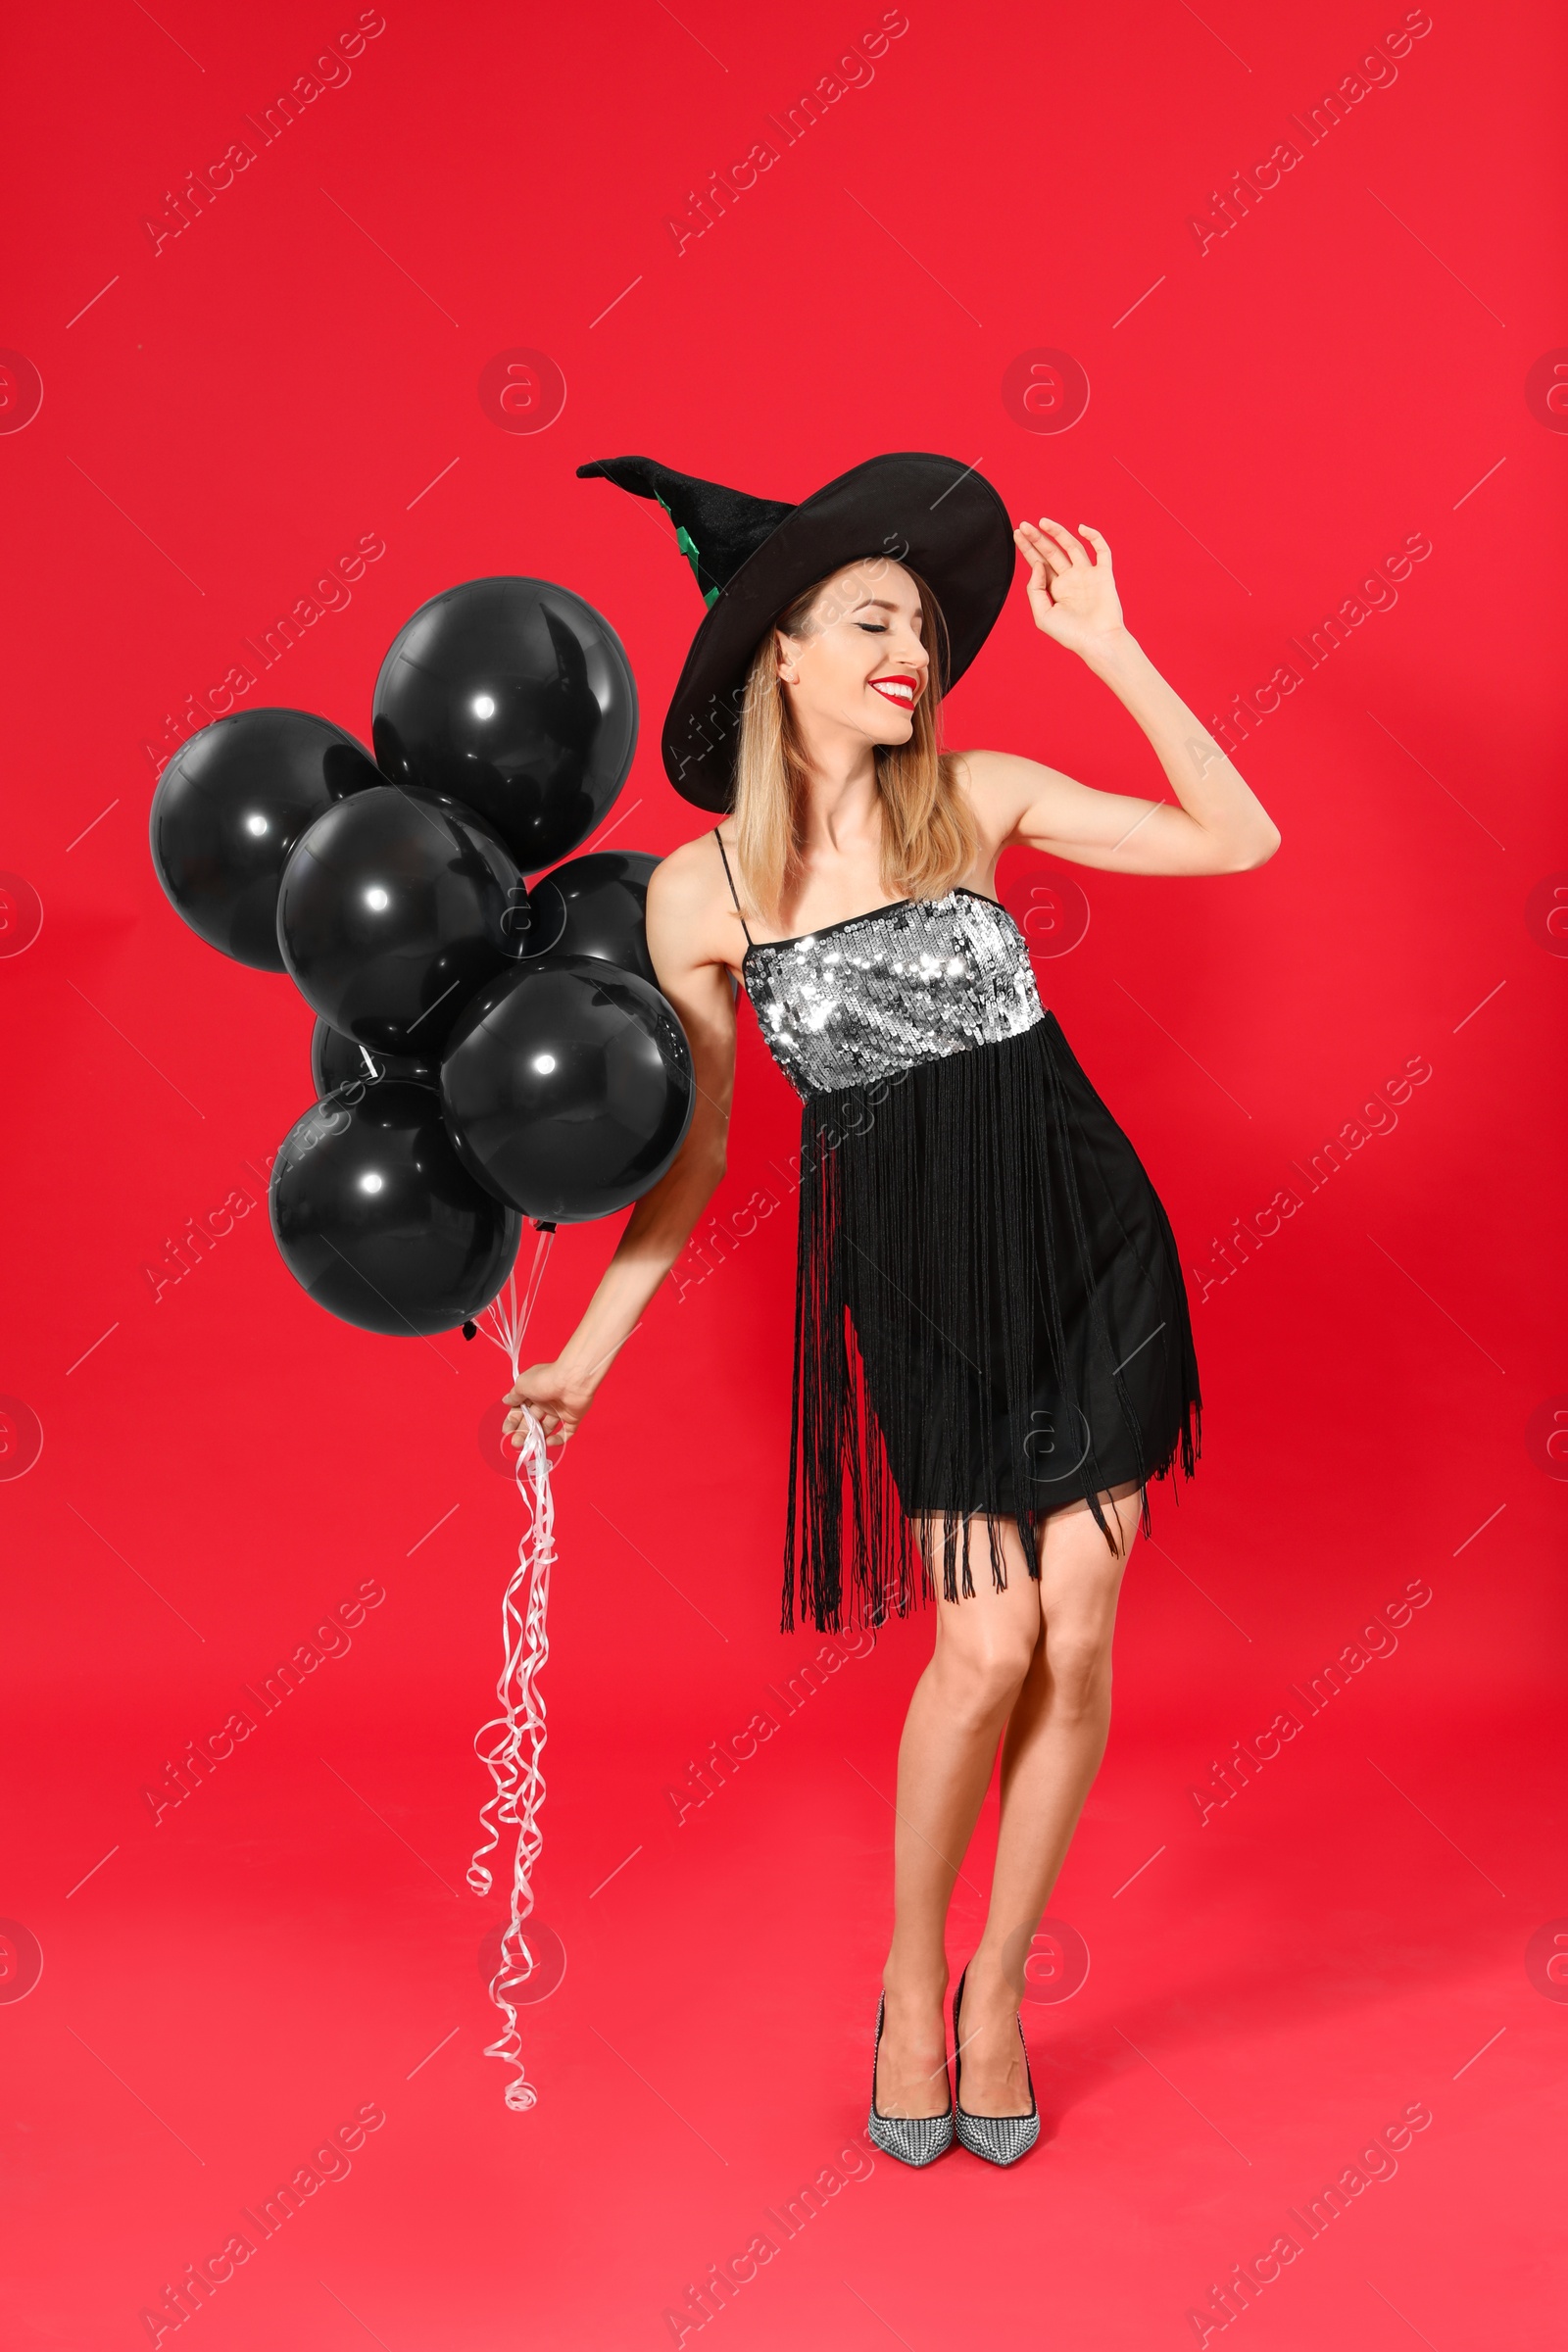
x=928, y=835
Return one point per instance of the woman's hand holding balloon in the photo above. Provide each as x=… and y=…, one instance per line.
x=556, y=1399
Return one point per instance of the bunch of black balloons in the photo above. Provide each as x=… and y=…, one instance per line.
x=487, y=1047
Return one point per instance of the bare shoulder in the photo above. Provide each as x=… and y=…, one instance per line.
x=687, y=899
x=689, y=884
x=998, y=786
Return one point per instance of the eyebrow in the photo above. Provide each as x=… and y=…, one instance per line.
x=878, y=604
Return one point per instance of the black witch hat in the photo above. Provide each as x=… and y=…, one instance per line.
x=753, y=556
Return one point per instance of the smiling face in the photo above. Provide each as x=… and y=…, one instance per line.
x=854, y=662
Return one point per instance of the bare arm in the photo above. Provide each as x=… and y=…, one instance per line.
x=679, y=902
x=1217, y=825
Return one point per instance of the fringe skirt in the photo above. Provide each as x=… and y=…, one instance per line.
x=990, y=1320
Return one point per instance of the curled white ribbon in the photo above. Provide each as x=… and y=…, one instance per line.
x=512, y=1744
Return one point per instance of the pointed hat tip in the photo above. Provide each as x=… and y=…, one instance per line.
x=637, y=474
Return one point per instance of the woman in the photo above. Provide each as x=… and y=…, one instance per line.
x=993, y=1350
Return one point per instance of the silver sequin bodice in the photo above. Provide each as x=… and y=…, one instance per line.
x=904, y=984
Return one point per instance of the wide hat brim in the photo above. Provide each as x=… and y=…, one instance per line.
x=939, y=517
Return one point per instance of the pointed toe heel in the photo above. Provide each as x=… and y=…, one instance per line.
x=915, y=2140
x=997, y=2138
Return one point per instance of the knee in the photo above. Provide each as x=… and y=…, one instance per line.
x=982, y=1681
x=1080, y=1671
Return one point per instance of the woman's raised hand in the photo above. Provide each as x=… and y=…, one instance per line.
x=1072, y=594
x=556, y=1399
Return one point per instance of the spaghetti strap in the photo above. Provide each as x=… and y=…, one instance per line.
x=733, y=892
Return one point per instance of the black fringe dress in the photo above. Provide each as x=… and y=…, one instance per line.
x=990, y=1313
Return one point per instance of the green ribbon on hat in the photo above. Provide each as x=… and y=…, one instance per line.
x=688, y=547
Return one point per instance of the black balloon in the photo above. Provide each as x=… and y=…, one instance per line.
x=515, y=697
x=395, y=907
x=602, y=900
x=228, y=809
x=336, y=1060
x=377, y=1220
x=536, y=923
x=569, y=1088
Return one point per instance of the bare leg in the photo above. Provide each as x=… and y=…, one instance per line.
x=1056, y=1739
x=983, y=1651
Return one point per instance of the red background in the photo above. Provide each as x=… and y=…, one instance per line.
x=222, y=418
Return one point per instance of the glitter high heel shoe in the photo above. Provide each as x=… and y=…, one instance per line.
x=998, y=2139
x=912, y=2138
